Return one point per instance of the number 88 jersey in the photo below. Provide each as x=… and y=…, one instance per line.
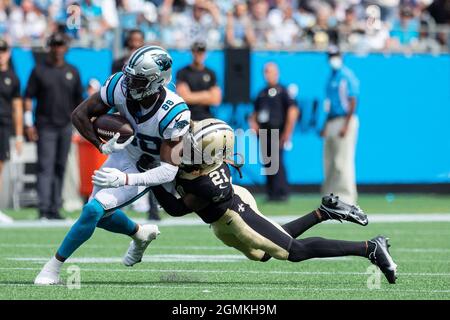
x=168, y=119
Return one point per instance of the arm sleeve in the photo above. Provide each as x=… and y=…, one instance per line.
x=32, y=85
x=108, y=89
x=173, y=206
x=166, y=172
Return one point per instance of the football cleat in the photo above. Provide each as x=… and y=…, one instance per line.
x=381, y=257
x=146, y=234
x=47, y=277
x=339, y=210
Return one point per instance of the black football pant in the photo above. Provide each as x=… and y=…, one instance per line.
x=53, y=149
x=277, y=187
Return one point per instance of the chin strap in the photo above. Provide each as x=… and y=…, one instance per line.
x=235, y=165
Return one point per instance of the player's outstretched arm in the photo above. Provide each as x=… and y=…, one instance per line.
x=166, y=172
x=173, y=206
x=82, y=115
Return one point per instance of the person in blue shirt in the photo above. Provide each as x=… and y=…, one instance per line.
x=340, y=130
x=405, y=30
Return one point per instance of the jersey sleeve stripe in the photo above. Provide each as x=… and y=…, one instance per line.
x=168, y=118
x=112, y=87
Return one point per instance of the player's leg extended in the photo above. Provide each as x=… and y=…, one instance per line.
x=101, y=204
x=80, y=232
x=261, y=233
x=331, y=208
x=376, y=250
x=114, y=198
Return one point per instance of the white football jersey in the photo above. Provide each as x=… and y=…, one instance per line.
x=169, y=118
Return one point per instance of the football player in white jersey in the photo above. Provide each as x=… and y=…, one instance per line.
x=160, y=119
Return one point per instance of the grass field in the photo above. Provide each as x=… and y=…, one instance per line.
x=188, y=262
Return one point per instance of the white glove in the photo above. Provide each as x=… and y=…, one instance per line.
x=112, y=145
x=109, y=178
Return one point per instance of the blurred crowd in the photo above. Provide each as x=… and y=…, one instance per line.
x=371, y=25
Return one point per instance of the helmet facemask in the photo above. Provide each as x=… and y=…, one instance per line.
x=138, y=87
x=148, y=69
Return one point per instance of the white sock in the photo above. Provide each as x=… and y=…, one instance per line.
x=138, y=235
x=53, y=265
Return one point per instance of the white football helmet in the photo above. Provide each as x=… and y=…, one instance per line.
x=146, y=71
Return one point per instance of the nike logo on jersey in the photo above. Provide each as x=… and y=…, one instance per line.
x=229, y=222
x=222, y=187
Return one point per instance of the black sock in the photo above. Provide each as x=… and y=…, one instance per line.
x=370, y=248
x=324, y=215
x=297, y=227
x=316, y=247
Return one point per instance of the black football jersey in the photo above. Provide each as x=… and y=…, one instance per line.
x=214, y=188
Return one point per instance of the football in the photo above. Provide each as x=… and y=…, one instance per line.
x=107, y=125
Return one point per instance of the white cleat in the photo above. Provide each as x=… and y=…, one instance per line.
x=47, y=278
x=144, y=236
x=49, y=274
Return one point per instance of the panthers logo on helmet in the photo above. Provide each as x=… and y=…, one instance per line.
x=163, y=61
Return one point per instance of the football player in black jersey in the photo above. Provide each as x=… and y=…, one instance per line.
x=207, y=190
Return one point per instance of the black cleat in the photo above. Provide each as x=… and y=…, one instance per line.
x=381, y=257
x=339, y=210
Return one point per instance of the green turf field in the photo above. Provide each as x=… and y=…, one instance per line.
x=188, y=262
x=298, y=204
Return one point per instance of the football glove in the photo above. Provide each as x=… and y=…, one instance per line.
x=112, y=145
x=109, y=178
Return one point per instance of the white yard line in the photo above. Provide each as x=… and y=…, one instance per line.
x=215, y=271
x=240, y=288
x=373, y=218
x=97, y=246
x=156, y=258
x=156, y=246
x=149, y=258
x=5, y=218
